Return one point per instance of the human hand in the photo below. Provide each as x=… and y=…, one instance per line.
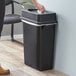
x=40, y=7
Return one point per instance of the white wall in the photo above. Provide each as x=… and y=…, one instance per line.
x=65, y=60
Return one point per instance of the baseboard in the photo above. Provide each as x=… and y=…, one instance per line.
x=9, y=37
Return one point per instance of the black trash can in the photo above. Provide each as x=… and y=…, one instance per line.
x=39, y=37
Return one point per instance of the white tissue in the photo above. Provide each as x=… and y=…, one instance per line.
x=39, y=12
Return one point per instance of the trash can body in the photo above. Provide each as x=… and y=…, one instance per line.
x=39, y=45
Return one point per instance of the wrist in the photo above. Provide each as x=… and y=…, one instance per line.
x=35, y=2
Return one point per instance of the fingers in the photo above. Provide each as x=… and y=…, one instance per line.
x=40, y=7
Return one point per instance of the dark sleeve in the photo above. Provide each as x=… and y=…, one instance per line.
x=2, y=11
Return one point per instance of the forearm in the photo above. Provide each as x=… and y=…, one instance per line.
x=35, y=2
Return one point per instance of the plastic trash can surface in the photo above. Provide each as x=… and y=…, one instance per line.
x=39, y=40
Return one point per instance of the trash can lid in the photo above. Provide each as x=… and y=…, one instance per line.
x=32, y=15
